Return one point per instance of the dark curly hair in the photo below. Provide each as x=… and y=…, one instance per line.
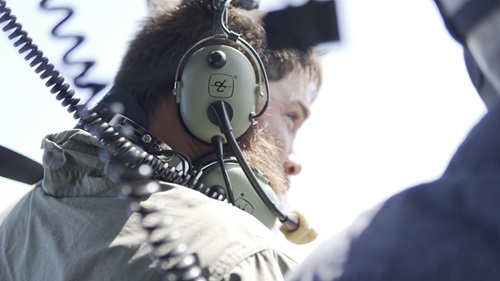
x=150, y=63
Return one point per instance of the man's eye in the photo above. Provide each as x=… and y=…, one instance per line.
x=293, y=116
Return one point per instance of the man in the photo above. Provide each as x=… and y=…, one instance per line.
x=448, y=229
x=74, y=226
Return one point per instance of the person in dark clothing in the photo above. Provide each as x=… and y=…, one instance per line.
x=448, y=229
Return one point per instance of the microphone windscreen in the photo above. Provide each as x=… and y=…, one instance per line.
x=303, y=234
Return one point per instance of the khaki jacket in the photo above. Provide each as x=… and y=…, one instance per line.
x=73, y=226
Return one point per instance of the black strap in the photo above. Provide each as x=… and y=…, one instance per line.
x=130, y=107
x=18, y=167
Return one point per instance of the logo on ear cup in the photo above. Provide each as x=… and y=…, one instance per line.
x=245, y=197
x=244, y=204
x=201, y=84
x=221, y=86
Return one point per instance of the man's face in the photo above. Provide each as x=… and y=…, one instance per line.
x=291, y=98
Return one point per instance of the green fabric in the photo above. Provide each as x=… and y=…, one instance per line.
x=72, y=226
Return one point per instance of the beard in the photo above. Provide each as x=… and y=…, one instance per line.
x=264, y=154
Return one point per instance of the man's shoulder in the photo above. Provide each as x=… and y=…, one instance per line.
x=212, y=216
x=222, y=235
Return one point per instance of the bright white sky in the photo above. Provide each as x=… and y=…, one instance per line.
x=395, y=104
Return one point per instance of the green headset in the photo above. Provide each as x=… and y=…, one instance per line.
x=215, y=72
x=241, y=192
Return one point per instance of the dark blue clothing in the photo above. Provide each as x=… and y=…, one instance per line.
x=448, y=229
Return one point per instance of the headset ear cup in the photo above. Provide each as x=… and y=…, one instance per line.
x=245, y=196
x=217, y=73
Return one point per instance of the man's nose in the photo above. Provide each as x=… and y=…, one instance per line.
x=293, y=165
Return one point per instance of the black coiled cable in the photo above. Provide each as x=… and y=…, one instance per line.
x=38, y=60
x=125, y=154
x=95, y=87
x=135, y=186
